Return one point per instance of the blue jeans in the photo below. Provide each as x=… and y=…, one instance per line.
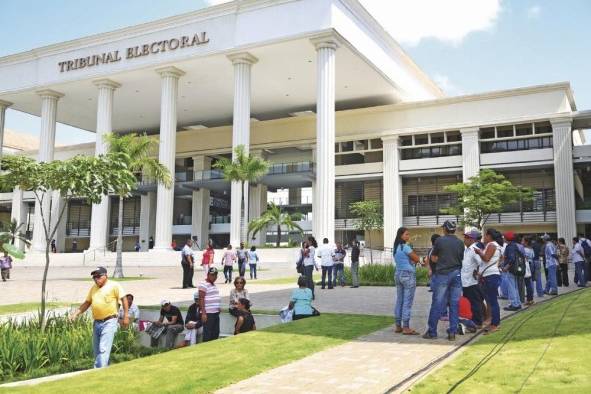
x=513, y=291
x=338, y=274
x=103, y=334
x=551, y=285
x=580, y=273
x=491, y=290
x=504, y=284
x=406, y=284
x=447, y=289
x=252, y=270
x=537, y=277
x=326, y=269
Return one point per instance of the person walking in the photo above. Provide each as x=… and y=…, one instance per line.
x=253, y=258
x=326, y=254
x=489, y=275
x=104, y=297
x=447, y=255
x=5, y=266
x=563, y=255
x=241, y=256
x=510, y=263
x=209, y=305
x=470, y=288
x=310, y=264
x=339, y=265
x=406, y=281
x=228, y=263
x=578, y=258
x=551, y=257
x=188, y=264
x=355, y=264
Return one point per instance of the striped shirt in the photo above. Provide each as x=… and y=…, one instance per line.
x=212, y=297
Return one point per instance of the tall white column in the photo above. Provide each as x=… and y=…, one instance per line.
x=470, y=152
x=49, y=99
x=3, y=106
x=165, y=198
x=564, y=178
x=19, y=213
x=200, y=207
x=104, y=125
x=392, y=183
x=147, y=219
x=326, y=47
x=240, y=136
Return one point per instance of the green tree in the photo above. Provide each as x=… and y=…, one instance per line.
x=370, y=218
x=138, y=152
x=9, y=233
x=85, y=177
x=275, y=216
x=243, y=168
x=484, y=194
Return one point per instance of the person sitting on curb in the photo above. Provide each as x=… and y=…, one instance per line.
x=193, y=321
x=301, y=301
x=133, y=312
x=245, y=321
x=172, y=319
x=236, y=294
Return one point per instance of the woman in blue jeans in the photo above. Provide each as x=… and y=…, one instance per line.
x=406, y=281
x=488, y=270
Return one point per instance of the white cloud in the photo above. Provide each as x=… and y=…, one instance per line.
x=447, y=86
x=534, y=11
x=410, y=21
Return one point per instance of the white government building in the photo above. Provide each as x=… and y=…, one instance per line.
x=319, y=89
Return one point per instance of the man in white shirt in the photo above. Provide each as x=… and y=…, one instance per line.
x=470, y=287
x=326, y=254
x=188, y=264
x=133, y=312
x=578, y=257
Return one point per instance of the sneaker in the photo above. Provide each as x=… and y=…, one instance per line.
x=512, y=308
x=461, y=329
x=451, y=337
x=428, y=336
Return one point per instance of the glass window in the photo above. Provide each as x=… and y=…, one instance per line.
x=376, y=143
x=543, y=128
x=362, y=145
x=523, y=129
x=504, y=131
x=487, y=133
x=454, y=150
x=436, y=151
x=336, y=147
x=437, y=138
x=347, y=146
x=454, y=136
x=406, y=140
x=374, y=157
x=353, y=158
x=421, y=139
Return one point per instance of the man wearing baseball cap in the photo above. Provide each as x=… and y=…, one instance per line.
x=470, y=287
x=510, y=257
x=446, y=282
x=103, y=297
x=209, y=306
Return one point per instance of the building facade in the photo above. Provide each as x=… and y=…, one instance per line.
x=321, y=91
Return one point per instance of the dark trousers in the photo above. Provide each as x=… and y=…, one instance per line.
x=326, y=270
x=309, y=274
x=187, y=275
x=529, y=289
x=475, y=296
x=562, y=275
x=520, y=288
x=211, y=328
x=241, y=267
x=252, y=269
x=228, y=273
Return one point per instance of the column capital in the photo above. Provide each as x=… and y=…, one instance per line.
x=106, y=83
x=242, y=58
x=561, y=122
x=469, y=130
x=170, y=71
x=5, y=104
x=327, y=40
x=48, y=93
x=391, y=139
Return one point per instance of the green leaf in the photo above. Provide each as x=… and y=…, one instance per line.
x=13, y=251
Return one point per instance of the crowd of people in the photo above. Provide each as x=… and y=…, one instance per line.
x=481, y=270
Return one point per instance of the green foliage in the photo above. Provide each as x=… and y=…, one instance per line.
x=484, y=194
x=244, y=167
x=370, y=217
x=382, y=275
x=9, y=233
x=274, y=216
x=64, y=346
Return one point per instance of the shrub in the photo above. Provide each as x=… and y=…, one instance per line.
x=382, y=275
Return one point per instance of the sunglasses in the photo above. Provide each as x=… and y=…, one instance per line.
x=95, y=277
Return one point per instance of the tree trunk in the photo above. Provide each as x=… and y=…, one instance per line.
x=244, y=211
x=370, y=252
x=119, y=263
x=42, y=320
x=278, y=243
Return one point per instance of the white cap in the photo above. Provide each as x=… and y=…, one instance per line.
x=164, y=302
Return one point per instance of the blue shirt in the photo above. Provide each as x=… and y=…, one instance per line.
x=401, y=257
x=302, y=301
x=550, y=252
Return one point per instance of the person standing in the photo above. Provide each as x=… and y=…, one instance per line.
x=447, y=255
x=310, y=263
x=578, y=257
x=207, y=259
x=5, y=266
x=151, y=243
x=511, y=256
x=241, y=255
x=355, y=264
x=537, y=266
x=228, y=262
x=53, y=246
x=339, y=265
x=563, y=254
x=406, y=281
x=490, y=276
x=326, y=254
x=187, y=263
x=551, y=257
x=528, y=252
x=209, y=305
x=103, y=297
x=470, y=288
x=253, y=258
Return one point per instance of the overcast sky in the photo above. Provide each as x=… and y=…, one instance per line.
x=466, y=46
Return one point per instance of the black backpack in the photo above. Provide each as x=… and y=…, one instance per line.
x=586, y=248
x=518, y=267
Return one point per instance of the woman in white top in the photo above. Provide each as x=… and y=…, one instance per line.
x=529, y=261
x=253, y=258
x=489, y=275
x=309, y=252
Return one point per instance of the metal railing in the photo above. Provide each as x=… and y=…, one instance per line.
x=290, y=168
x=92, y=252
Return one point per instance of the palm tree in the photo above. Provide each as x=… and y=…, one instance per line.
x=243, y=168
x=9, y=233
x=137, y=149
x=274, y=216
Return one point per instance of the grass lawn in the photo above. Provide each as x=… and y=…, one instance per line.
x=125, y=279
x=548, y=353
x=29, y=306
x=213, y=365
